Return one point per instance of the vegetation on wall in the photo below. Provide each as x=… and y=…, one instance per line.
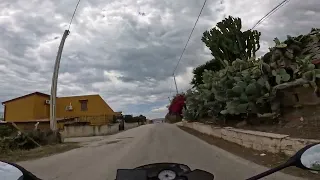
x=236, y=83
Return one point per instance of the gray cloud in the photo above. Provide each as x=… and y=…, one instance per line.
x=113, y=50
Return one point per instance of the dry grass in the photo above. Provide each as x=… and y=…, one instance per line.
x=44, y=151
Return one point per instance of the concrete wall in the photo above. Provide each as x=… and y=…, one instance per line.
x=83, y=131
x=262, y=141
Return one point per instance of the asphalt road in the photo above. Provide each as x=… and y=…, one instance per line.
x=102, y=156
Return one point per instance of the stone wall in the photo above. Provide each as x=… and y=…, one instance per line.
x=87, y=130
x=262, y=141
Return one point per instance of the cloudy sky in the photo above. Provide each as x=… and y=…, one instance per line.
x=125, y=50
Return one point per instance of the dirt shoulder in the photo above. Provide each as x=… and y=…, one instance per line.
x=44, y=151
x=268, y=160
x=298, y=123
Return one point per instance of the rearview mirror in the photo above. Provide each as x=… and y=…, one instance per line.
x=306, y=158
x=310, y=158
x=9, y=172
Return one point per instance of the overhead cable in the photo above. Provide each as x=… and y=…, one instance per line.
x=74, y=12
x=270, y=13
x=184, y=49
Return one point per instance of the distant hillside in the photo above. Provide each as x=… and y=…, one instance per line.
x=158, y=120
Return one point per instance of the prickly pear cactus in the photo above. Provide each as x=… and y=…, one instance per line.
x=227, y=42
x=281, y=75
x=245, y=85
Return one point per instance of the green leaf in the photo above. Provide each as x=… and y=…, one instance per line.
x=268, y=85
x=289, y=54
x=251, y=89
x=282, y=71
x=237, y=78
x=285, y=77
x=283, y=45
x=244, y=97
x=261, y=81
x=237, y=89
x=278, y=79
x=224, y=112
x=311, y=66
x=306, y=85
x=260, y=101
x=308, y=75
x=230, y=93
x=276, y=40
x=256, y=72
x=242, y=108
x=242, y=84
x=265, y=67
x=245, y=73
x=274, y=73
x=307, y=58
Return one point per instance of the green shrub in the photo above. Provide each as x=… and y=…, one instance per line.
x=245, y=86
x=6, y=130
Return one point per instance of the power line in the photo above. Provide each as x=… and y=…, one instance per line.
x=74, y=12
x=184, y=49
x=271, y=12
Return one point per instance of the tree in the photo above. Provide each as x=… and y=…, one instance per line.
x=213, y=65
x=131, y=119
x=142, y=118
x=227, y=42
x=128, y=118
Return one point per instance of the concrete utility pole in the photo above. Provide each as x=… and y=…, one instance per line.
x=175, y=83
x=53, y=96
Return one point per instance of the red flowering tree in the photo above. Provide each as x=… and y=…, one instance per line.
x=175, y=108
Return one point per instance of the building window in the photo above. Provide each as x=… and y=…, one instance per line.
x=84, y=105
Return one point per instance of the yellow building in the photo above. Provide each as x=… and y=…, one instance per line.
x=35, y=107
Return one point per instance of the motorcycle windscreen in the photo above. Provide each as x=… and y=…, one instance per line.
x=199, y=174
x=131, y=174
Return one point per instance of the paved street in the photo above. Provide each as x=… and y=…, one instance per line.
x=102, y=156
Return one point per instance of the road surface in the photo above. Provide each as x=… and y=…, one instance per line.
x=102, y=156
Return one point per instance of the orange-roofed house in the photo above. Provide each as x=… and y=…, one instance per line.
x=33, y=108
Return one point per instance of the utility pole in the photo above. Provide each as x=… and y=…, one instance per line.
x=175, y=83
x=53, y=96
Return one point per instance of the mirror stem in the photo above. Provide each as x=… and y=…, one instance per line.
x=273, y=170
